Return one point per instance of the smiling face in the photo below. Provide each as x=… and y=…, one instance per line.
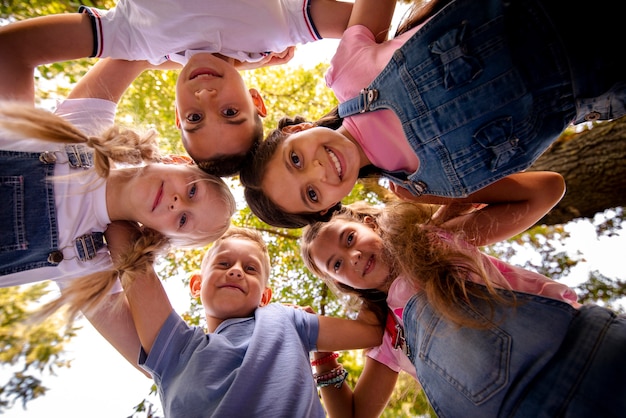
x=311, y=170
x=176, y=201
x=215, y=111
x=351, y=253
x=234, y=280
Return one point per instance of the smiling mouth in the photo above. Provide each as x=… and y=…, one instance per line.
x=158, y=198
x=336, y=162
x=231, y=286
x=369, y=266
x=203, y=73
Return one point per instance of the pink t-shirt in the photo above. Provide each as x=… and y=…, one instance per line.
x=379, y=133
x=504, y=276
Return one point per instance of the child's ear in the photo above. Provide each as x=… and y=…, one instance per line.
x=266, y=296
x=370, y=221
x=176, y=117
x=257, y=99
x=195, y=284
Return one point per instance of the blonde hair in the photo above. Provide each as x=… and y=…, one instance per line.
x=438, y=262
x=114, y=145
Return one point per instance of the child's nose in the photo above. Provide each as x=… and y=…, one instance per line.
x=355, y=256
x=176, y=202
x=235, y=271
x=205, y=94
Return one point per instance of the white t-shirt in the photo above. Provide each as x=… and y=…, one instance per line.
x=80, y=201
x=158, y=30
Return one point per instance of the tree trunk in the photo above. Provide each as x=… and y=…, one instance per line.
x=593, y=164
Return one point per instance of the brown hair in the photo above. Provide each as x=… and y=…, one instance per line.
x=255, y=165
x=230, y=165
x=440, y=267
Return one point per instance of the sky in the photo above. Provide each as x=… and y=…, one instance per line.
x=102, y=384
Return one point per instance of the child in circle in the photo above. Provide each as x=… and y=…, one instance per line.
x=468, y=93
x=445, y=302
x=219, y=117
x=251, y=354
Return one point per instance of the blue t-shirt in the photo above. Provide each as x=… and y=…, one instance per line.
x=250, y=367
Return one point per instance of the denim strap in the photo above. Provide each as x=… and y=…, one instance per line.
x=79, y=156
x=87, y=245
x=358, y=104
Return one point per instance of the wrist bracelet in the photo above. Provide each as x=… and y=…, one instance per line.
x=336, y=381
x=324, y=359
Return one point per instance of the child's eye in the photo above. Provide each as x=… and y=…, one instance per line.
x=192, y=190
x=295, y=160
x=182, y=221
x=337, y=266
x=350, y=239
x=194, y=117
x=230, y=112
x=312, y=194
x=251, y=268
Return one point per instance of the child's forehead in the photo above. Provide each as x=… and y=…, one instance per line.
x=238, y=247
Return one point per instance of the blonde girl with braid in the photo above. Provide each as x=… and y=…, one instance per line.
x=62, y=189
x=66, y=176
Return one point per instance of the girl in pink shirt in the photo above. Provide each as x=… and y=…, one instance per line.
x=445, y=305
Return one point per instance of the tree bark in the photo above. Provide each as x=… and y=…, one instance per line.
x=593, y=164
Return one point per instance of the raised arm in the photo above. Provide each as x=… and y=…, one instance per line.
x=376, y=15
x=511, y=205
x=331, y=17
x=26, y=44
x=147, y=301
x=348, y=334
x=109, y=78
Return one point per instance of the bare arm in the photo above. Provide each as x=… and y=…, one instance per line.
x=512, y=205
x=331, y=17
x=147, y=301
x=370, y=396
x=348, y=334
x=376, y=15
x=109, y=78
x=26, y=44
x=114, y=322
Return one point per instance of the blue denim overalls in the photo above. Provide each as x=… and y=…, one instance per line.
x=541, y=358
x=484, y=87
x=29, y=237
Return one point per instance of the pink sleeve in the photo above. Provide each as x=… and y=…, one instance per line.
x=527, y=281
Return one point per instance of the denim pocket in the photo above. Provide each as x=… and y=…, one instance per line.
x=28, y=233
x=473, y=361
x=13, y=235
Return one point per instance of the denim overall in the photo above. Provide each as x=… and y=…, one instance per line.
x=29, y=237
x=482, y=89
x=539, y=358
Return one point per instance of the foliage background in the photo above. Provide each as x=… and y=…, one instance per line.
x=39, y=350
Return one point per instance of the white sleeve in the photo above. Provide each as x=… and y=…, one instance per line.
x=92, y=116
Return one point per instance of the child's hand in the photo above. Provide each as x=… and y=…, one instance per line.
x=120, y=235
x=275, y=58
x=304, y=308
x=453, y=210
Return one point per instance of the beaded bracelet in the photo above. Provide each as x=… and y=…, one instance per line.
x=329, y=374
x=325, y=359
x=337, y=380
